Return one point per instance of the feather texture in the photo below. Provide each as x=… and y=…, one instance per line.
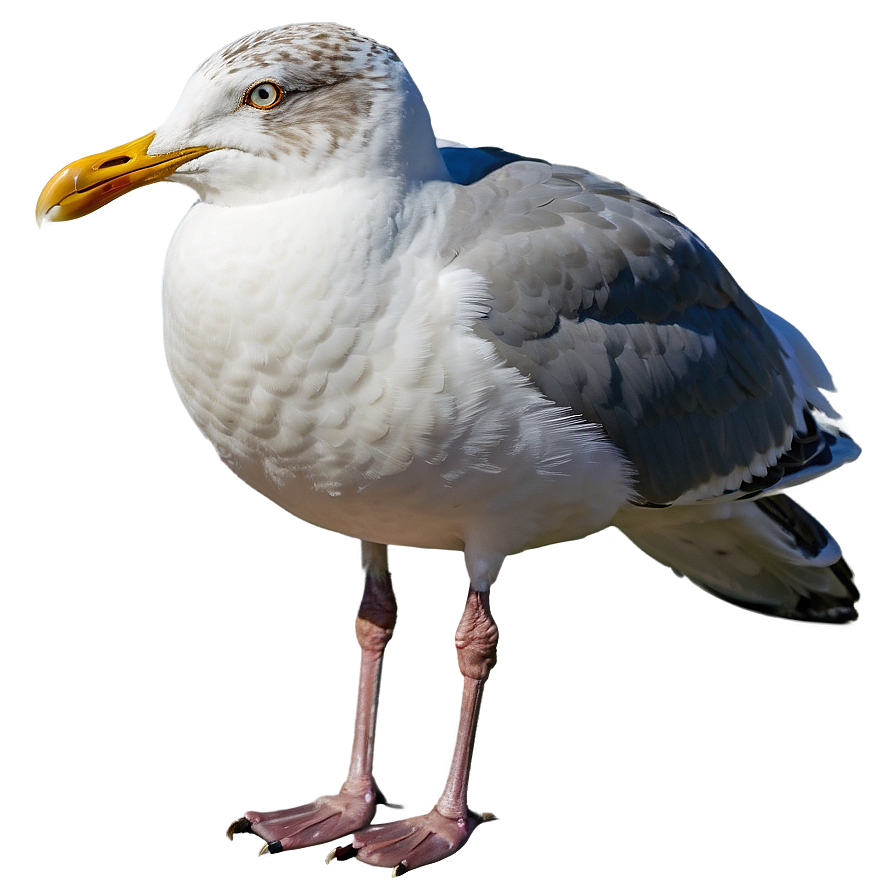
x=616, y=310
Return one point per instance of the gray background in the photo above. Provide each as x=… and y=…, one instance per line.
x=176, y=650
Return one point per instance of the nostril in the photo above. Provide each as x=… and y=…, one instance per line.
x=114, y=163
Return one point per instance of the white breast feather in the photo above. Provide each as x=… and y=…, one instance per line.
x=342, y=366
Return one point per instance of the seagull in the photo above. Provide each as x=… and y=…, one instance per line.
x=412, y=342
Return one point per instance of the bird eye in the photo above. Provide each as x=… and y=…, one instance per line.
x=265, y=95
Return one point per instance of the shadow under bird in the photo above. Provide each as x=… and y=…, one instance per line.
x=416, y=343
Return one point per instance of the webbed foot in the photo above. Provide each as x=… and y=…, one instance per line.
x=412, y=842
x=325, y=819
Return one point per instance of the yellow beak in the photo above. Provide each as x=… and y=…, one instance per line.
x=91, y=182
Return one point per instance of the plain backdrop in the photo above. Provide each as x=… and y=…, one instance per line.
x=176, y=650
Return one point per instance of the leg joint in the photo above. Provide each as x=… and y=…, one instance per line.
x=477, y=638
x=377, y=613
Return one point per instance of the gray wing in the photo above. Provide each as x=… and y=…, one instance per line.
x=617, y=311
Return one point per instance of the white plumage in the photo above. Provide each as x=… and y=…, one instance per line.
x=414, y=343
x=331, y=405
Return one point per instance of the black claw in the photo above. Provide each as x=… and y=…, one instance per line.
x=382, y=801
x=276, y=846
x=240, y=826
x=485, y=816
x=398, y=870
x=341, y=853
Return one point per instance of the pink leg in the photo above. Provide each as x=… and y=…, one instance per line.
x=413, y=842
x=329, y=817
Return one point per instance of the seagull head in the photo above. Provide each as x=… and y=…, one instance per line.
x=274, y=114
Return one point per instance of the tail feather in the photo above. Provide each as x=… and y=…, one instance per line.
x=768, y=555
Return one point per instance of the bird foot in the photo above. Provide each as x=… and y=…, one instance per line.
x=412, y=842
x=327, y=818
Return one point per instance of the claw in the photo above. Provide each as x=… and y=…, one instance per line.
x=400, y=869
x=382, y=801
x=483, y=816
x=263, y=850
x=341, y=853
x=240, y=826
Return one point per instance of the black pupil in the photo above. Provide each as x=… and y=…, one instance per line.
x=263, y=93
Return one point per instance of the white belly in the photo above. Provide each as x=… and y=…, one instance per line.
x=345, y=384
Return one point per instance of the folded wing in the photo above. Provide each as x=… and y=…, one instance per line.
x=616, y=310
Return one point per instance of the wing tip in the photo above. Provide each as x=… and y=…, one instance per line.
x=834, y=605
x=813, y=607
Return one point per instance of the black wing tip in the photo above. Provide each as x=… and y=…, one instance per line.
x=812, y=607
x=812, y=538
